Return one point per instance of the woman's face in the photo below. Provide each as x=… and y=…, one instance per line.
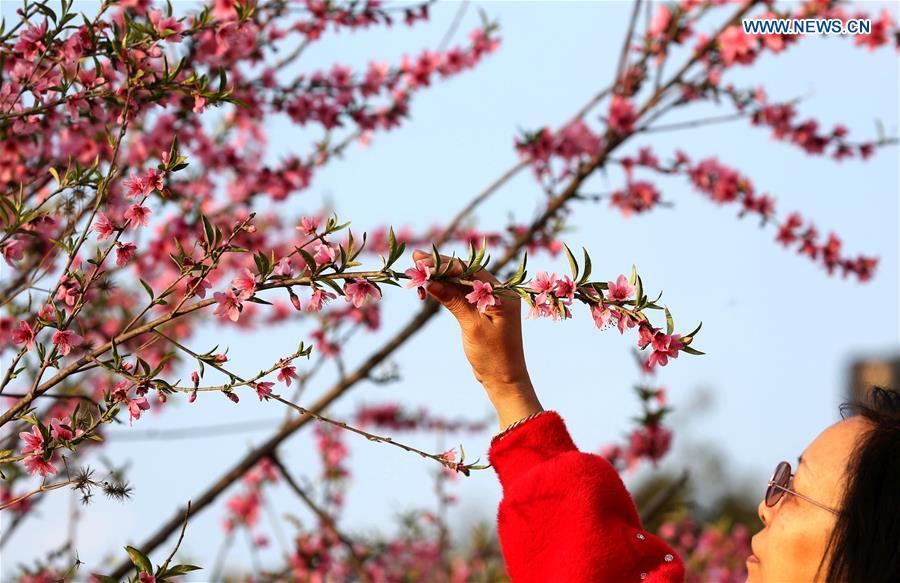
x=795, y=532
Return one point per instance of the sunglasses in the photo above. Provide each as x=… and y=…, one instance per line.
x=781, y=482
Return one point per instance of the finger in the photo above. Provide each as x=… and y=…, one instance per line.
x=451, y=295
x=456, y=268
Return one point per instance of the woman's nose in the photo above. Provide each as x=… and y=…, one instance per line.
x=763, y=511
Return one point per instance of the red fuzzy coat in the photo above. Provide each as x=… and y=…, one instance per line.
x=566, y=516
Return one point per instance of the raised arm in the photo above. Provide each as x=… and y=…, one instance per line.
x=565, y=515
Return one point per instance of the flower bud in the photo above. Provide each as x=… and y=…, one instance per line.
x=295, y=300
x=196, y=380
x=234, y=398
x=421, y=291
x=192, y=397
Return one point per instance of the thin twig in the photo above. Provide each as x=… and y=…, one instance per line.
x=325, y=518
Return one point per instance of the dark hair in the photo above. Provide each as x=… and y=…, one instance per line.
x=865, y=543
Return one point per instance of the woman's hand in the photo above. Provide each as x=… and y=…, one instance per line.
x=492, y=341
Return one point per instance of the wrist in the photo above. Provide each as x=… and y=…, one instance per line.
x=513, y=401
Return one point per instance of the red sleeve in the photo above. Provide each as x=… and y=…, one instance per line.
x=566, y=515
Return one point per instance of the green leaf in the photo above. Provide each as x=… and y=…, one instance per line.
x=148, y=288
x=310, y=261
x=573, y=264
x=257, y=300
x=587, y=267
x=330, y=283
x=208, y=230
x=693, y=351
x=479, y=257
x=435, y=258
x=105, y=578
x=392, y=243
x=55, y=175
x=639, y=293
x=140, y=560
x=687, y=339
x=670, y=323
x=520, y=272
x=180, y=570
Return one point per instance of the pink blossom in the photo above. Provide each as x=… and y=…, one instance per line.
x=621, y=116
x=543, y=282
x=735, y=46
x=660, y=23
x=58, y=431
x=66, y=340
x=229, y=305
x=34, y=441
x=138, y=215
x=620, y=290
x=652, y=442
x=309, y=225
x=419, y=274
x=283, y=268
x=359, y=290
x=135, y=406
x=286, y=373
x=646, y=333
x=624, y=320
x=263, y=389
x=124, y=253
x=601, y=314
x=167, y=26
x=565, y=288
x=199, y=104
x=245, y=283
x=24, y=335
x=31, y=40
x=665, y=347
x=482, y=295
x=103, y=227
x=13, y=250
x=318, y=299
x=36, y=464
x=325, y=253
x=145, y=577
x=135, y=187
x=199, y=285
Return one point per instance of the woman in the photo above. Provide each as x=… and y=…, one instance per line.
x=566, y=516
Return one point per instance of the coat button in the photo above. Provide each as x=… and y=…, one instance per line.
x=669, y=558
x=643, y=576
x=640, y=536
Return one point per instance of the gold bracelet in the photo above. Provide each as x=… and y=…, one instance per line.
x=514, y=425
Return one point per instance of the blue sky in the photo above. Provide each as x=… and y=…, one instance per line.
x=778, y=332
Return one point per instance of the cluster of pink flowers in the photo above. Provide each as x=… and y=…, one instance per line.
x=712, y=552
x=735, y=47
x=637, y=197
x=651, y=440
x=553, y=296
x=135, y=405
x=725, y=185
x=244, y=507
x=333, y=453
x=396, y=417
x=39, y=458
x=572, y=145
